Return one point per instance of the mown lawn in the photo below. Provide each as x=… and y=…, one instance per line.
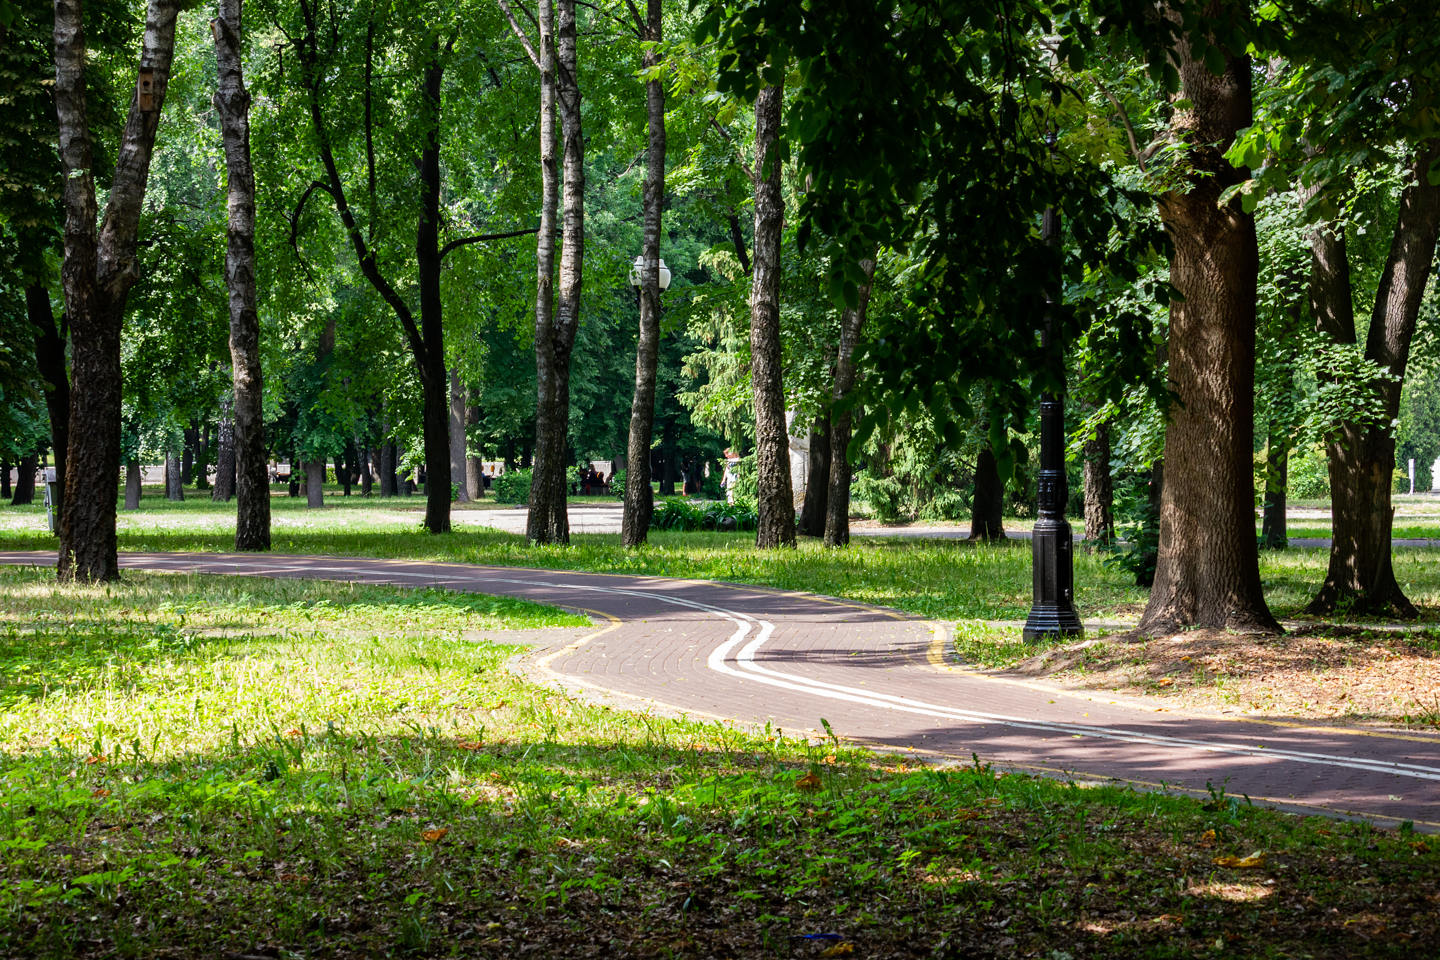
x=948, y=580
x=200, y=766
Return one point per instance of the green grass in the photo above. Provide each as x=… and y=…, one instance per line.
x=206, y=766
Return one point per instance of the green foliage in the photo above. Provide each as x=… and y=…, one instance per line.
x=513, y=486
x=883, y=497
x=1308, y=474
x=676, y=513
x=946, y=505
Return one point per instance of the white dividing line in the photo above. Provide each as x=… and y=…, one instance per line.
x=751, y=670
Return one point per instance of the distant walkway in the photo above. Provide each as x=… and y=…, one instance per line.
x=759, y=656
x=603, y=518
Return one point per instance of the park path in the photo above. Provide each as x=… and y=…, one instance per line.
x=758, y=656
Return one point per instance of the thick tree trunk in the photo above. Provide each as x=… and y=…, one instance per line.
x=248, y=467
x=1099, y=489
x=1362, y=456
x=202, y=458
x=97, y=274
x=1207, y=571
x=50, y=359
x=1273, y=534
x=5, y=490
x=314, y=483
x=817, y=479
x=224, y=487
x=776, y=525
x=837, y=498
x=174, y=475
x=987, y=506
x=474, y=466
x=548, y=521
x=367, y=477
x=388, y=484
x=190, y=440
x=133, y=485
x=25, y=480
x=639, y=504
x=457, y=436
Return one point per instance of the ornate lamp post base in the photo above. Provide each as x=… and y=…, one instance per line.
x=1053, y=610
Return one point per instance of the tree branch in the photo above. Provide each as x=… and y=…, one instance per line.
x=295, y=224
x=520, y=32
x=1135, y=150
x=739, y=157
x=481, y=238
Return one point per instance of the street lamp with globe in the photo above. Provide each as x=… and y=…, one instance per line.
x=636, y=268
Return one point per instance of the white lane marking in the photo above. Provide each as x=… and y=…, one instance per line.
x=749, y=669
x=835, y=691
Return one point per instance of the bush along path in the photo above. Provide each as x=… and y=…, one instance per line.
x=798, y=662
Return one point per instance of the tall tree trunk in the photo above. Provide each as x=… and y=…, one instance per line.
x=314, y=483
x=1208, y=570
x=202, y=458
x=474, y=466
x=367, y=478
x=50, y=359
x=189, y=441
x=248, y=467
x=1099, y=489
x=224, y=487
x=987, y=506
x=837, y=499
x=1273, y=534
x=98, y=272
x=174, y=475
x=639, y=503
x=1361, y=574
x=5, y=468
x=817, y=479
x=548, y=521
x=25, y=480
x=133, y=484
x=776, y=525
x=457, y=436
x=388, y=483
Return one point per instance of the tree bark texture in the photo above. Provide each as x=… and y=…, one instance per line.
x=174, y=475
x=1361, y=574
x=5, y=491
x=1273, y=534
x=1207, y=570
x=474, y=466
x=388, y=484
x=548, y=521
x=314, y=483
x=50, y=360
x=457, y=436
x=1099, y=488
x=25, y=480
x=639, y=504
x=776, y=525
x=987, y=505
x=98, y=272
x=244, y=471
x=224, y=488
x=133, y=486
x=187, y=455
x=817, y=479
x=837, y=499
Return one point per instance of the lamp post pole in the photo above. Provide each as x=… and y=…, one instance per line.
x=1052, y=610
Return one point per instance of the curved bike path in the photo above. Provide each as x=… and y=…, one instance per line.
x=755, y=655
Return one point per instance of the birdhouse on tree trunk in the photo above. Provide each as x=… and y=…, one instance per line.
x=145, y=88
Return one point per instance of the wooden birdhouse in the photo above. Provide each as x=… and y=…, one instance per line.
x=145, y=88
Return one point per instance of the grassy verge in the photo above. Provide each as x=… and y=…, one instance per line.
x=195, y=766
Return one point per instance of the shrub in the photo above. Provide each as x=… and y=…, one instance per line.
x=947, y=505
x=677, y=513
x=513, y=486
x=1308, y=474
x=617, y=485
x=883, y=497
x=745, y=482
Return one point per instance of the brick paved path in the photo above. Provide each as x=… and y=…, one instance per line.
x=756, y=656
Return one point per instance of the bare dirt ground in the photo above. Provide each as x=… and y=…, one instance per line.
x=1318, y=674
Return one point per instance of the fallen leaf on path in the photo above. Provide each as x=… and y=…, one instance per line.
x=839, y=950
x=434, y=836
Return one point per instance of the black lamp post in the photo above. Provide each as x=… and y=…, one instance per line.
x=1052, y=609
